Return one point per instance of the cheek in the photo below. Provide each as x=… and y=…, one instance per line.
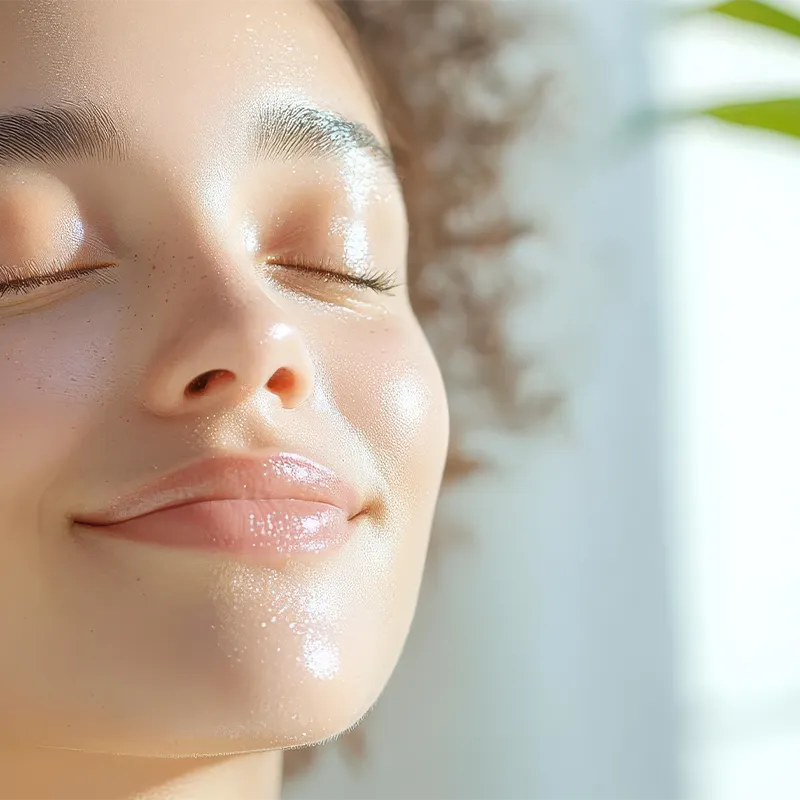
x=388, y=386
x=52, y=373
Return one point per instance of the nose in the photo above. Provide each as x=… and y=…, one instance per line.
x=233, y=344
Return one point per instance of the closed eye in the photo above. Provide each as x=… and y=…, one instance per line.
x=21, y=286
x=330, y=270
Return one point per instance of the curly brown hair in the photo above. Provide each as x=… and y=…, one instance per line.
x=450, y=112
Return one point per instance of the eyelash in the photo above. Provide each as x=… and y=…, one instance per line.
x=20, y=286
x=329, y=270
x=380, y=282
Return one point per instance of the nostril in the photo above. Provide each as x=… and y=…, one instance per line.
x=281, y=382
x=200, y=383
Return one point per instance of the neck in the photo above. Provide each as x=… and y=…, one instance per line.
x=66, y=775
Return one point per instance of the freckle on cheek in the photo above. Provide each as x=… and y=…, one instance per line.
x=57, y=362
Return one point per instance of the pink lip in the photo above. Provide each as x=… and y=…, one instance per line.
x=272, y=508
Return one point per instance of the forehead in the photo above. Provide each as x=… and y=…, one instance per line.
x=178, y=72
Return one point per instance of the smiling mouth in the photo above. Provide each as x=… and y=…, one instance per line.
x=270, y=509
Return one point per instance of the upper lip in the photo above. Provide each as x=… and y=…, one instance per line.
x=281, y=476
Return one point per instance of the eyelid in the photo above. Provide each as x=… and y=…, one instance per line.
x=84, y=247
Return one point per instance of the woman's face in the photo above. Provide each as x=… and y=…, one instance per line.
x=205, y=167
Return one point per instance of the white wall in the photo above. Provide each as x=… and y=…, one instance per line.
x=540, y=663
x=731, y=200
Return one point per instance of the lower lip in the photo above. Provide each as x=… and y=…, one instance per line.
x=270, y=531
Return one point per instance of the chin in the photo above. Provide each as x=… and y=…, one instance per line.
x=274, y=708
x=232, y=676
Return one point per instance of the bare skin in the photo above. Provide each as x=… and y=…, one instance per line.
x=224, y=190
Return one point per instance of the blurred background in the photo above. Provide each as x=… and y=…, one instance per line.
x=621, y=620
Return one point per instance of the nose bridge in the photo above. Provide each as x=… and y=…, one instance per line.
x=189, y=210
x=190, y=259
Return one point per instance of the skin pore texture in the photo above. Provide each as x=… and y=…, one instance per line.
x=216, y=175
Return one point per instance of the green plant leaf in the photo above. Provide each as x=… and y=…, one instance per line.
x=780, y=116
x=758, y=13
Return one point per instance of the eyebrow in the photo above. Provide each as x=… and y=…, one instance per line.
x=287, y=132
x=64, y=132
x=73, y=131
